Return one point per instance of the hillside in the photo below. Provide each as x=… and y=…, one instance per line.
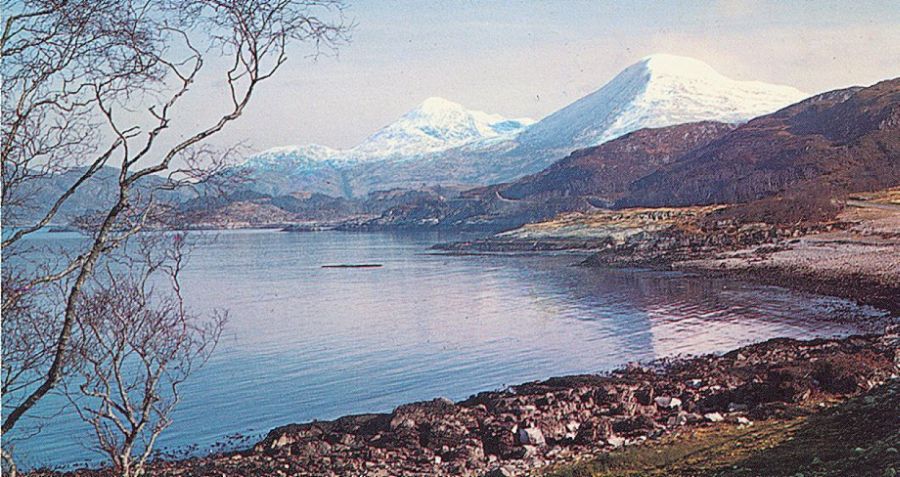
x=603, y=173
x=798, y=159
x=794, y=165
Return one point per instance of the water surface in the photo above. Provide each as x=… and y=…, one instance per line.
x=307, y=343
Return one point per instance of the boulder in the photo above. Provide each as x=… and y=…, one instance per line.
x=531, y=436
x=616, y=442
x=593, y=432
x=499, y=472
x=644, y=396
x=713, y=417
x=668, y=402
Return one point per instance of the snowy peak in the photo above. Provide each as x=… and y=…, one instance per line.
x=657, y=91
x=435, y=107
x=662, y=65
x=675, y=78
x=293, y=157
x=435, y=125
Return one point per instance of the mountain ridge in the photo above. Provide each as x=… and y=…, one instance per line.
x=441, y=143
x=788, y=167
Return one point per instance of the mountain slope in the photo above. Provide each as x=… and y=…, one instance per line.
x=659, y=90
x=603, y=173
x=798, y=158
x=435, y=125
x=586, y=179
x=442, y=143
x=312, y=168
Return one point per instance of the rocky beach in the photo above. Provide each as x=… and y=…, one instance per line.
x=544, y=427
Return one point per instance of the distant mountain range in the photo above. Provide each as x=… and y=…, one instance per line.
x=442, y=143
x=783, y=167
x=667, y=131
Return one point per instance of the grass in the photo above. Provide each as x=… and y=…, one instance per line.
x=859, y=438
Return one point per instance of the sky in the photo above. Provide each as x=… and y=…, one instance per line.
x=530, y=58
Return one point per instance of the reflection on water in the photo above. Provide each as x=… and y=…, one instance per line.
x=309, y=343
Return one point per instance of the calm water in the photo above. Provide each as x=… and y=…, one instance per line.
x=307, y=343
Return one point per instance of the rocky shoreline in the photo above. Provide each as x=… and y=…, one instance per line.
x=534, y=426
x=538, y=427
x=856, y=256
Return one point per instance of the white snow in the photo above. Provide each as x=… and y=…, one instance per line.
x=435, y=125
x=659, y=90
x=294, y=159
x=440, y=140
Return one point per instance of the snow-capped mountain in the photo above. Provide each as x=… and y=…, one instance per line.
x=659, y=90
x=435, y=125
x=442, y=143
x=294, y=157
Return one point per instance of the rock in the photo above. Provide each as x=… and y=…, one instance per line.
x=592, y=432
x=678, y=420
x=402, y=422
x=668, y=402
x=499, y=472
x=713, y=417
x=632, y=424
x=499, y=441
x=616, y=442
x=567, y=418
x=530, y=451
x=531, y=436
x=644, y=396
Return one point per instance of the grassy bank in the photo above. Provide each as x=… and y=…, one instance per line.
x=859, y=438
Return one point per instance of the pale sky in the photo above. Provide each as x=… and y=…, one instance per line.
x=531, y=58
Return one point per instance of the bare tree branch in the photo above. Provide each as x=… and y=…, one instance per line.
x=93, y=83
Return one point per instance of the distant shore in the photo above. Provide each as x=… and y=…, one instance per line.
x=856, y=257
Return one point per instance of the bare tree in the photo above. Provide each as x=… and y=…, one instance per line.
x=95, y=84
x=135, y=344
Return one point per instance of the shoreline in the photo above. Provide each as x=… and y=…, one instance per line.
x=541, y=425
x=469, y=438
x=855, y=257
x=861, y=289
